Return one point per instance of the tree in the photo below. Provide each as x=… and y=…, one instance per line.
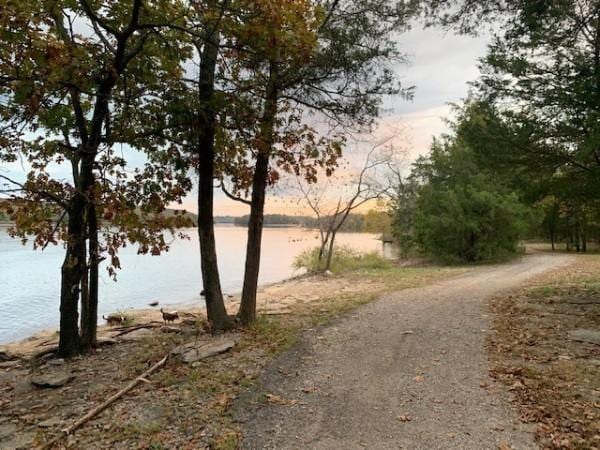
x=377, y=221
x=541, y=78
x=367, y=185
x=468, y=223
x=72, y=76
x=331, y=59
x=459, y=210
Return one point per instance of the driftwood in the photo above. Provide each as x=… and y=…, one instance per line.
x=125, y=330
x=98, y=409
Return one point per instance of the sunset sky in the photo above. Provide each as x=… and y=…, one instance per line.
x=441, y=65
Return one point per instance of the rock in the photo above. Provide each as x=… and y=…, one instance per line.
x=584, y=335
x=328, y=273
x=196, y=351
x=51, y=380
x=50, y=423
x=189, y=321
x=5, y=356
x=136, y=335
x=168, y=329
x=153, y=304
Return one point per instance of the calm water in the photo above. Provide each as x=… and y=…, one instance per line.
x=30, y=280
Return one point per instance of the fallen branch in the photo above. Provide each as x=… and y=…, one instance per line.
x=126, y=330
x=98, y=409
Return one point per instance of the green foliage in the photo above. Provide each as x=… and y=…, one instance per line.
x=377, y=222
x=468, y=222
x=456, y=209
x=345, y=259
x=402, y=211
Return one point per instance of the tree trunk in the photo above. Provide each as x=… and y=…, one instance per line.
x=330, y=251
x=85, y=306
x=89, y=319
x=247, y=313
x=215, y=307
x=71, y=275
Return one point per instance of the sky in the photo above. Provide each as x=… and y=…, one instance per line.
x=440, y=66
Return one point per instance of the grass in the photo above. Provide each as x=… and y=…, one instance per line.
x=345, y=259
x=554, y=378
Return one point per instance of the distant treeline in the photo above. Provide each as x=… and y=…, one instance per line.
x=372, y=222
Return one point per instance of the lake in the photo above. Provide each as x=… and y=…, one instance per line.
x=30, y=280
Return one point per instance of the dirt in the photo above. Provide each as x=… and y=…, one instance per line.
x=407, y=371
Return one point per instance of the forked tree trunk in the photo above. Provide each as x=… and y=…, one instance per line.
x=215, y=307
x=247, y=313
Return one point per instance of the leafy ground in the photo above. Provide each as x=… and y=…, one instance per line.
x=555, y=378
x=182, y=407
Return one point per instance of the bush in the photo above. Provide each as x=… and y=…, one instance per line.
x=468, y=223
x=345, y=259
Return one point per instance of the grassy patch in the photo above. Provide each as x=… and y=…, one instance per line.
x=555, y=379
x=345, y=259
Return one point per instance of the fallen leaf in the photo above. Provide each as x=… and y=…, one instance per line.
x=504, y=446
x=419, y=378
x=404, y=418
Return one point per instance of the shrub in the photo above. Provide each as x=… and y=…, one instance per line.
x=468, y=223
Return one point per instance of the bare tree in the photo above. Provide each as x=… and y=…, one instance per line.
x=372, y=182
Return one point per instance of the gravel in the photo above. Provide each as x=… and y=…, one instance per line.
x=407, y=371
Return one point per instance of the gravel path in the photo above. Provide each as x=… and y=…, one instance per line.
x=407, y=371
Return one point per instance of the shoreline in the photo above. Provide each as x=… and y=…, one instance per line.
x=266, y=304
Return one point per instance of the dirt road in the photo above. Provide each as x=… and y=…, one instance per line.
x=407, y=371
